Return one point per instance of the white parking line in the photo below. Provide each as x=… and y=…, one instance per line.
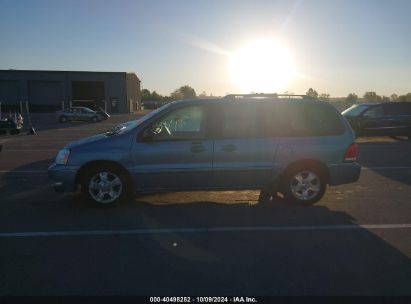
x=202, y=230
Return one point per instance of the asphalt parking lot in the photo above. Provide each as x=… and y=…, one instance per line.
x=356, y=241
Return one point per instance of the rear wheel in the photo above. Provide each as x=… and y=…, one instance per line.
x=63, y=119
x=94, y=119
x=304, y=185
x=105, y=186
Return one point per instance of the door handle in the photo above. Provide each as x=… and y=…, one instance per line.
x=229, y=148
x=197, y=149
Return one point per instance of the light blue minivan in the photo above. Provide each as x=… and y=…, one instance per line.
x=287, y=144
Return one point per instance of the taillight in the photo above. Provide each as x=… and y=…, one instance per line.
x=351, y=153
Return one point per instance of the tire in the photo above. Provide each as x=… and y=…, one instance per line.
x=94, y=119
x=63, y=119
x=111, y=186
x=304, y=185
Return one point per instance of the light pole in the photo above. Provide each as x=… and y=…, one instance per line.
x=31, y=128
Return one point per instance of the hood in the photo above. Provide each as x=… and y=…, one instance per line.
x=114, y=133
x=87, y=140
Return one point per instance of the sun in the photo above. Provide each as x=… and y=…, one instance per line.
x=262, y=66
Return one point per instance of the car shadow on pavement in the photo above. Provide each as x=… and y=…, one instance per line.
x=389, y=159
x=200, y=243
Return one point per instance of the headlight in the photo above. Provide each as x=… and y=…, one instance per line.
x=62, y=157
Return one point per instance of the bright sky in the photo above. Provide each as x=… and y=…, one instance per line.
x=336, y=47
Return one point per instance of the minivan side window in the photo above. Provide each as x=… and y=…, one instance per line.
x=239, y=119
x=300, y=119
x=398, y=108
x=182, y=124
x=374, y=112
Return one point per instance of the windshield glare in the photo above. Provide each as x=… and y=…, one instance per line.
x=127, y=126
x=354, y=110
x=152, y=113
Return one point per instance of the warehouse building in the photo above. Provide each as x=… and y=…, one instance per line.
x=48, y=91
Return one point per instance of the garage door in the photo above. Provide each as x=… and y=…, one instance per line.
x=9, y=92
x=45, y=96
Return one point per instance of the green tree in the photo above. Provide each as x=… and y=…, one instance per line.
x=351, y=98
x=372, y=97
x=394, y=97
x=184, y=92
x=156, y=97
x=385, y=99
x=406, y=97
x=312, y=93
x=324, y=97
x=145, y=94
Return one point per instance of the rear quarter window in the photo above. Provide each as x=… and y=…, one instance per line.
x=301, y=119
x=403, y=108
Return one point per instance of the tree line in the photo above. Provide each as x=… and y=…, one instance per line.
x=367, y=97
x=187, y=92
x=184, y=92
x=352, y=98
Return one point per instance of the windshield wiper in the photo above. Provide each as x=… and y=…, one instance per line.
x=116, y=130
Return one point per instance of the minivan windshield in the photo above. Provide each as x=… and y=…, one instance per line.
x=129, y=125
x=354, y=110
x=152, y=113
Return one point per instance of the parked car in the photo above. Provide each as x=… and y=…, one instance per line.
x=381, y=119
x=81, y=114
x=9, y=127
x=288, y=145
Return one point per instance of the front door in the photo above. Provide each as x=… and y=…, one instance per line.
x=398, y=118
x=374, y=121
x=174, y=152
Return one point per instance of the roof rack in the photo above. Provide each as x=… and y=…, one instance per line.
x=275, y=95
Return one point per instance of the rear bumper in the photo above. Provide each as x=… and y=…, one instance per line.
x=63, y=177
x=344, y=173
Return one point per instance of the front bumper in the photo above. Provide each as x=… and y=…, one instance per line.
x=344, y=173
x=63, y=177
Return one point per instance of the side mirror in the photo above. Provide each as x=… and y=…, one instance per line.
x=148, y=135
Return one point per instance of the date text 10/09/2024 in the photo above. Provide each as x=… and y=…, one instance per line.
x=203, y=300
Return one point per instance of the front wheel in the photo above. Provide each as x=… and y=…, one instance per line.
x=94, y=119
x=105, y=186
x=63, y=119
x=304, y=185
